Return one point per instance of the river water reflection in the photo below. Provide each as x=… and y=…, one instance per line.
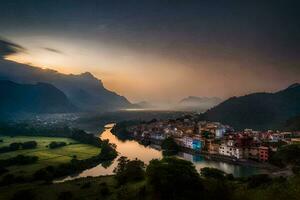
x=133, y=149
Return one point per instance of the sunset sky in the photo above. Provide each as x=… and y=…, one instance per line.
x=161, y=50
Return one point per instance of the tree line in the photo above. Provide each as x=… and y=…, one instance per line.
x=19, y=145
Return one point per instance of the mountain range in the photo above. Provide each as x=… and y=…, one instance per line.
x=84, y=91
x=194, y=103
x=258, y=110
x=32, y=98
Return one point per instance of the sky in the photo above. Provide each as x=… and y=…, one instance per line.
x=161, y=51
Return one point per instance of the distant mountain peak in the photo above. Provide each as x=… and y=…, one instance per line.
x=195, y=98
x=143, y=104
x=87, y=75
x=294, y=85
x=84, y=90
x=198, y=103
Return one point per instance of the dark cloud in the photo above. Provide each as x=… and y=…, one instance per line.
x=8, y=48
x=53, y=50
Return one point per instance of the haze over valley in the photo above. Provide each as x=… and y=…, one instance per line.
x=149, y=99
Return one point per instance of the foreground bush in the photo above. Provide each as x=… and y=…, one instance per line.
x=169, y=146
x=129, y=170
x=173, y=178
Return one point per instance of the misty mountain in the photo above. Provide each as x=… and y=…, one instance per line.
x=198, y=103
x=84, y=90
x=258, y=110
x=143, y=104
x=28, y=98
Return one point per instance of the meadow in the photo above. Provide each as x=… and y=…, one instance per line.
x=46, y=155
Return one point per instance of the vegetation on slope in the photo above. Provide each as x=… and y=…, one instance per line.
x=258, y=110
x=168, y=178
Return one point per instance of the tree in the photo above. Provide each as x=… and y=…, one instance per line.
x=108, y=151
x=66, y=195
x=173, y=178
x=54, y=145
x=3, y=170
x=169, y=146
x=24, y=194
x=15, y=146
x=287, y=155
x=208, y=172
x=29, y=145
x=129, y=170
x=104, y=190
x=259, y=180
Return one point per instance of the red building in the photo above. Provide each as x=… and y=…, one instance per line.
x=263, y=153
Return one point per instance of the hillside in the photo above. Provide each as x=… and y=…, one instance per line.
x=84, y=90
x=293, y=124
x=37, y=98
x=258, y=110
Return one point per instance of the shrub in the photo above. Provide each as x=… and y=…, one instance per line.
x=129, y=170
x=29, y=145
x=259, y=180
x=169, y=146
x=287, y=155
x=54, y=145
x=43, y=174
x=208, y=172
x=15, y=146
x=66, y=195
x=19, y=160
x=86, y=185
x=104, y=190
x=174, y=178
x=24, y=194
x=3, y=170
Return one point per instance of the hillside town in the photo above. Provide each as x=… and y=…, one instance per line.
x=214, y=138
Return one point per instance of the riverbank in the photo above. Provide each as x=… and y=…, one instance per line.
x=106, y=187
x=213, y=157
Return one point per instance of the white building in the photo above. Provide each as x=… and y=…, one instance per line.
x=220, y=131
x=231, y=151
x=187, y=142
x=157, y=136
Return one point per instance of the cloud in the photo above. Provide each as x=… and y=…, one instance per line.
x=8, y=48
x=53, y=50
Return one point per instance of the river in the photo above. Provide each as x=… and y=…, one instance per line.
x=133, y=149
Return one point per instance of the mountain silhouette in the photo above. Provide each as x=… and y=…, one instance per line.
x=32, y=98
x=258, y=110
x=84, y=90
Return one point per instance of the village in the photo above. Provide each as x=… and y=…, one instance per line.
x=214, y=138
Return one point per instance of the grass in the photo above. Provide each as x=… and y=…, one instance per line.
x=76, y=187
x=46, y=156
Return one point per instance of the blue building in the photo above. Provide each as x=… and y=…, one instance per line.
x=197, y=144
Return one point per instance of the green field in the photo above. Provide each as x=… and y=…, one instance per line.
x=46, y=156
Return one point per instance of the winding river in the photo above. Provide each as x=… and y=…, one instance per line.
x=133, y=149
